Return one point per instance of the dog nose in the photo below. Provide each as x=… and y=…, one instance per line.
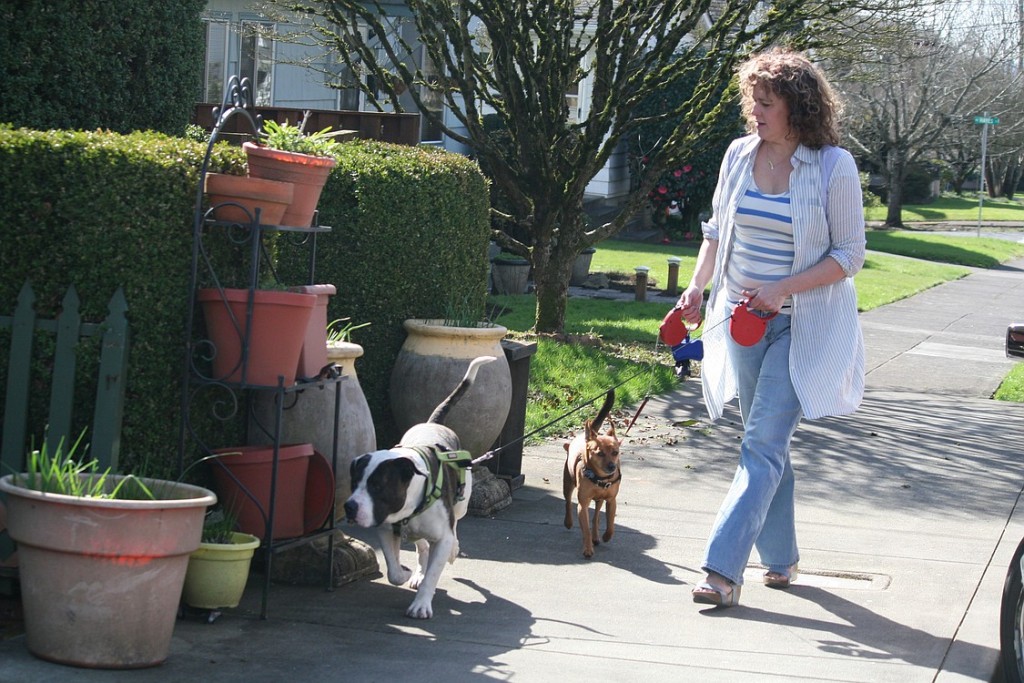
x=611, y=467
x=351, y=510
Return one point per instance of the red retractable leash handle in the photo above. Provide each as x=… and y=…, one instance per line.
x=746, y=325
x=674, y=330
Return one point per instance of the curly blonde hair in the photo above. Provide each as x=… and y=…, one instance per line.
x=814, y=107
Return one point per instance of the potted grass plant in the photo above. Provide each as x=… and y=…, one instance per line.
x=127, y=539
x=287, y=153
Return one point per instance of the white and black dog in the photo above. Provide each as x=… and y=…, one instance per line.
x=417, y=490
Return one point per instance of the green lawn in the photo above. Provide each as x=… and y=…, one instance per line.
x=616, y=341
x=953, y=208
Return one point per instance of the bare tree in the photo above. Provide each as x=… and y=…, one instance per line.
x=517, y=60
x=913, y=88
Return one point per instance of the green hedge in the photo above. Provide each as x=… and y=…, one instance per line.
x=101, y=210
x=119, y=65
x=409, y=238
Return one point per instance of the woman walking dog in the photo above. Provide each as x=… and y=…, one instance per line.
x=781, y=248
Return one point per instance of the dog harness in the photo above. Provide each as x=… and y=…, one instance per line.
x=437, y=460
x=603, y=482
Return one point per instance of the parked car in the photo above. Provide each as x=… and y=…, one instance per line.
x=1011, y=611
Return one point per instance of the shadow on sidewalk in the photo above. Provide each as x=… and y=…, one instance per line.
x=865, y=635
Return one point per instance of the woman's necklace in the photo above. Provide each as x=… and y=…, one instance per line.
x=771, y=164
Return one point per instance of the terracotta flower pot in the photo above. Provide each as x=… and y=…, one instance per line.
x=308, y=173
x=279, y=322
x=101, y=578
x=236, y=199
x=252, y=467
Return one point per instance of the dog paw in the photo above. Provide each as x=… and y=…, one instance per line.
x=607, y=535
x=416, y=580
x=588, y=553
x=397, y=577
x=420, y=610
x=568, y=522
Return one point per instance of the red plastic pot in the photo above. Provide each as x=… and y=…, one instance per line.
x=313, y=356
x=235, y=198
x=279, y=322
x=252, y=467
x=309, y=174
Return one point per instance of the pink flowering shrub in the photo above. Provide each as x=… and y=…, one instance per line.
x=684, y=190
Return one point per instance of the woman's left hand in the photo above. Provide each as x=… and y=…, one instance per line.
x=768, y=298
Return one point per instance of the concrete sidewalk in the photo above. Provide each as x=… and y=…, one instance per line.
x=906, y=513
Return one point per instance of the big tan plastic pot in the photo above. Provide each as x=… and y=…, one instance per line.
x=101, y=579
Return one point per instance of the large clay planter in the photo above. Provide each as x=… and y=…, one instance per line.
x=313, y=356
x=309, y=174
x=432, y=361
x=249, y=469
x=217, y=572
x=313, y=414
x=101, y=579
x=236, y=199
x=279, y=323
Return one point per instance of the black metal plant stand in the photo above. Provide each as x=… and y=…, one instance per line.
x=229, y=400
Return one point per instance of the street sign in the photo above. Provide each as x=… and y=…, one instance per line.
x=992, y=120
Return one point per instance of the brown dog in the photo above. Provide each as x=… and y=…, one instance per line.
x=592, y=469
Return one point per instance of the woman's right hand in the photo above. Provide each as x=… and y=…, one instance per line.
x=689, y=304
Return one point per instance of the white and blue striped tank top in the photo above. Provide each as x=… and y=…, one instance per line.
x=762, y=249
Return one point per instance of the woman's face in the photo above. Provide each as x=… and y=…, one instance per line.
x=771, y=114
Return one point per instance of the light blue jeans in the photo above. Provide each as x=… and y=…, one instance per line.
x=758, y=510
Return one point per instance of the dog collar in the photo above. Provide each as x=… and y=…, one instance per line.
x=603, y=482
x=437, y=460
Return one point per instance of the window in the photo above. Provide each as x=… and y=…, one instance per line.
x=257, y=61
x=215, y=69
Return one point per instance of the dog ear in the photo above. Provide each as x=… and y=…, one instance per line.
x=356, y=468
x=588, y=428
x=611, y=429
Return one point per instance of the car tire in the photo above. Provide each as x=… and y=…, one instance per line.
x=1011, y=621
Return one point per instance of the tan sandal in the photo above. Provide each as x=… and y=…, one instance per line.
x=781, y=580
x=709, y=594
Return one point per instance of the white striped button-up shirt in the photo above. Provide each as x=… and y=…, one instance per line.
x=826, y=358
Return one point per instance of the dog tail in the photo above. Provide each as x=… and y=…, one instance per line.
x=606, y=409
x=437, y=417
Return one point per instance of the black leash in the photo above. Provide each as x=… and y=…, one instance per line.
x=490, y=454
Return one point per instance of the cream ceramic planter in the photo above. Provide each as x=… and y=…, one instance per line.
x=311, y=418
x=433, y=360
